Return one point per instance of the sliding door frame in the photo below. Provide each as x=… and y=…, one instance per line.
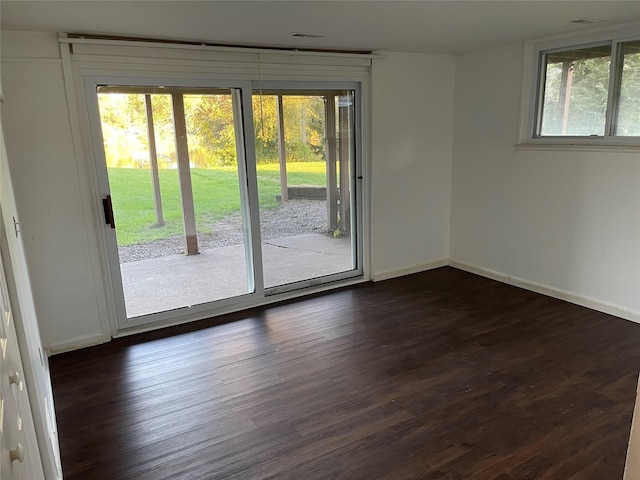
x=92, y=62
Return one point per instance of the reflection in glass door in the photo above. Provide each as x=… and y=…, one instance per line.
x=305, y=157
x=176, y=178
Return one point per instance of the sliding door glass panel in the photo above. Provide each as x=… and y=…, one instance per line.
x=305, y=155
x=172, y=163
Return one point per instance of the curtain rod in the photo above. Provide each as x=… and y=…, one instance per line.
x=88, y=39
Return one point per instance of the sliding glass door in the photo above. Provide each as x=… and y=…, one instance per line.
x=221, y=196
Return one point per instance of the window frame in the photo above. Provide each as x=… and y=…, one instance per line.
x=533, y=87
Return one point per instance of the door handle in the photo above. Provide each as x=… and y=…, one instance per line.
x=14, y=379
x=17, y=453
x=108, y=211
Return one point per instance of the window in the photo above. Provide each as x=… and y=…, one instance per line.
x=588, y=92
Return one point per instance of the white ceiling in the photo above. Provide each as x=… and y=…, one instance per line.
x=445, y=26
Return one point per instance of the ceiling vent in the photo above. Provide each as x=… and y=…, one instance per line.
x=307, y=35
x=587, y=21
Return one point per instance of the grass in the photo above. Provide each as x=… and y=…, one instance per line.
x=215, y=193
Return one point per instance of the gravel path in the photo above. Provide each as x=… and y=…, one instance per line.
x=294, y=217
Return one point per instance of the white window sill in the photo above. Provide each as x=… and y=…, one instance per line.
x=579, y=147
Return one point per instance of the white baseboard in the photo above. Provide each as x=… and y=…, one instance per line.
x=387, y=274
x=76, y=343
x=570, y=297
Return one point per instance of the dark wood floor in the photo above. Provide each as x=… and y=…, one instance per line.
x=439, y=375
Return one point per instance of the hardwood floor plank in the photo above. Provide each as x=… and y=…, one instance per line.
x=438, y=375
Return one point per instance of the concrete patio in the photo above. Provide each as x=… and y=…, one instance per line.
x=175, y=281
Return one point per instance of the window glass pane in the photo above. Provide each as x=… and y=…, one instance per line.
x=628, y=123
x=575, y=92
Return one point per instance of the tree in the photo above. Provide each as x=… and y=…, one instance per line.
x=586, y=82
x=584, y=74
x=123, y=129
x=210, y=128
x=304, y=127
x=210, y=125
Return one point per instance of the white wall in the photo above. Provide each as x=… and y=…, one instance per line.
x=47, y=189
x=567, y=221
x=412, y=106
x=34, y=361
x=411, y=134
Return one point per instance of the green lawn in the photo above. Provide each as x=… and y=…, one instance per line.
x=216, y=194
